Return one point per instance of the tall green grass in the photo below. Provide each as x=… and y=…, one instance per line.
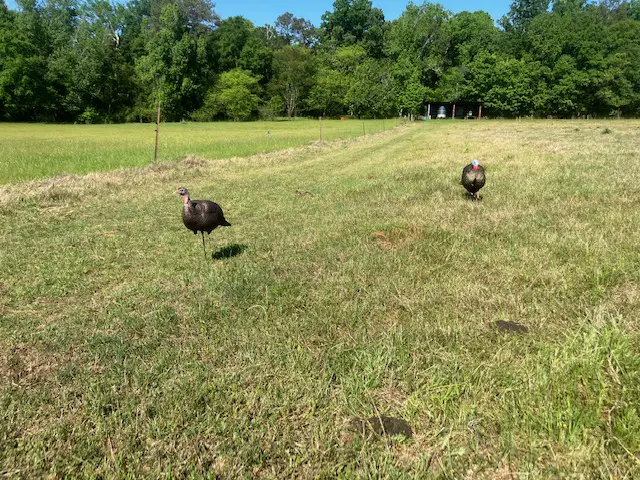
x=35, y=151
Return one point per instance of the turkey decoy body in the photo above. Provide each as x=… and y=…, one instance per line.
x=201, y=215
x=473, y=178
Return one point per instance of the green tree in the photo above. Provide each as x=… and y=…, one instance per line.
x=371, y=93
x=296, y=31
x=97, y=60
x=8, y=52
x=505, y=84
x=293, y=76
x=419, y=38
x=327, y=95
x=230, y=39
x=634, y=10
x=452, y=86
x=412, y=96
x=334, y=74
x=257, y=57
x=174, y=68
x=91, y=71
x=521, y=13
x=354, y=21
x=620, y=87
x=234, y=96
x=567, y=6
x=24, y=91
x=470, y=33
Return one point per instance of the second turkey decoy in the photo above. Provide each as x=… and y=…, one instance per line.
x=473, y=178
x=201, y=215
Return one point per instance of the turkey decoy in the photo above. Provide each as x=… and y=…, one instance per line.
x=473, y=178
x=201, y=215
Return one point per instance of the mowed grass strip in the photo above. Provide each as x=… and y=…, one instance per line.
x=364, y=284
x=37, y=151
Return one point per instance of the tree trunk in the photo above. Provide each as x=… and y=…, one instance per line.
x=291, y=99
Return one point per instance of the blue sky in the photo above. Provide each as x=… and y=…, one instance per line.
x=261, y=12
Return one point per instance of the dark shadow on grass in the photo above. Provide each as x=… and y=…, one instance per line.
x=229, y=251
x=382, y=426
x=511, y=327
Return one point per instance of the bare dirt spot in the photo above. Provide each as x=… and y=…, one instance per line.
x=390, y=396
x=382, y=239
x=25, y=366
x=626, y=294
x=396, y=237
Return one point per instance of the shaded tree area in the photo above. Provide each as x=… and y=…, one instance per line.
x=101, y=61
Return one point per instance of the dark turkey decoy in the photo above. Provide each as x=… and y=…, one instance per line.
x=201, y=215
x=473, y=178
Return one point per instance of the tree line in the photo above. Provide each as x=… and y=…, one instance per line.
x=101, y=61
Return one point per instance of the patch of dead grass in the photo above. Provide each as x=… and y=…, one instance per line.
x=397, y=237
x=26, y=365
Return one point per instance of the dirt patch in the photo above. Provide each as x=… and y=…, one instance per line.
x=389, y=396
x=626, y=294
x=382, y=238
x=396, y=237
x=26, y=366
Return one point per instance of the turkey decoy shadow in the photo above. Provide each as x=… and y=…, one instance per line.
x=229, y=251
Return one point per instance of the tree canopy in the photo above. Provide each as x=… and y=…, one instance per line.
x=100, y=61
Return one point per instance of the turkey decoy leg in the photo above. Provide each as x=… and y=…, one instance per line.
x=203, y=247
x=210, y=246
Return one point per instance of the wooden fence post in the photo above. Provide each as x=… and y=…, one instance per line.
x=155, y=153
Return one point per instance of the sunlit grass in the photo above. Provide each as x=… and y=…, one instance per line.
x=31, y=151
x=364, y=284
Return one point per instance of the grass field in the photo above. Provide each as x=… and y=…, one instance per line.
x=29, y=151
x=126, y=354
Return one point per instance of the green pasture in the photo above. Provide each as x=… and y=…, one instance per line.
x=36, y=151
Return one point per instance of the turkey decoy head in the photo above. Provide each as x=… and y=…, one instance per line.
x=183, y=192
